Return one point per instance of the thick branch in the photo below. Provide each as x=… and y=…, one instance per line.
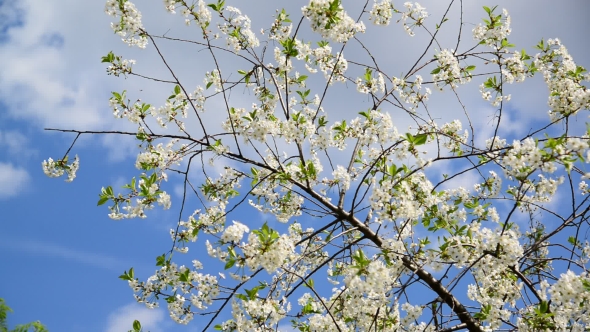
x=448, y=298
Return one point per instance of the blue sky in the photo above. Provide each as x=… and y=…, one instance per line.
x=62, y=254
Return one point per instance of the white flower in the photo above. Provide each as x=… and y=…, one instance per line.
x=128, y=24
x=234, y=233
x=381, y=12
x=342, y=177
x=332, y=23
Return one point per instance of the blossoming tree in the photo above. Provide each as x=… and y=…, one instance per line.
x=360, y=229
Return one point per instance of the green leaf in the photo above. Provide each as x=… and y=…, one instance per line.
x=161, y=260
x=177, y=89
x=102, y=200
x=127, y=275
x=420, y=139
x=136, y=325
x=108, y=58
x=183, y=276
x=301, y=79
x=230, y=263
x=322, y=43
x=544, y=307
x=435, y=71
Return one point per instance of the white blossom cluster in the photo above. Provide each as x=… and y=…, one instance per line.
x=454, y=139
x=248, y=315
x=169, y=111
x=331, y=23
x=282, y=203
x=202, y=15
x=239, y=35
x=570, y=302
x=376, y=84
x=285, y=139
x=214, y=78
x=333, y=66
x=234, y=233
x=493, y=34
x=491, y=187
x=411, y=92
x=392, y=200
x=381, y=13
x=449, y=72
x=514, y=68
x=280, y=31
x=159, y=157
x=413, y=312
x=567, y=93
x=268, y=256
x=121, y=67
x=55, y=169
x=193, y=290
x=374, y=128
x=284, y=63
x=137, y=210
x=129, y=26
x=342, y=177
x=416, y=14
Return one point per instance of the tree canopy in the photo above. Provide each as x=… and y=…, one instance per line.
x=338, y=182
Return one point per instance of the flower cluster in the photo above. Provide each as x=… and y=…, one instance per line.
x=267, y=250
x=416, y=13
x=342, y=177
x=564, y=78
x=175, y=104
x=118, y=65
x=237, y=29
x=411, y=92
x=192, y=289
x=202, y=16
x=491, y=187
x=454, y=139
x=278, y=138
x=370, y=84
x=213, y=78
x=381, y=12
x=570, y=301
x=148, y=194
x=159, y=157
x=279, y=30
x=329, y=19
x=496, y=29
x=332, y=65
x=54, y=169
x=514, y=68
x=251, y=314
x=234, y=233
x=448, y=71
x=129, y=26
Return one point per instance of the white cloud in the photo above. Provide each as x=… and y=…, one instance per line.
x=13, y=180
x=48, y=249
x=42, y=78
x=16, y=143
x=122, y=319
